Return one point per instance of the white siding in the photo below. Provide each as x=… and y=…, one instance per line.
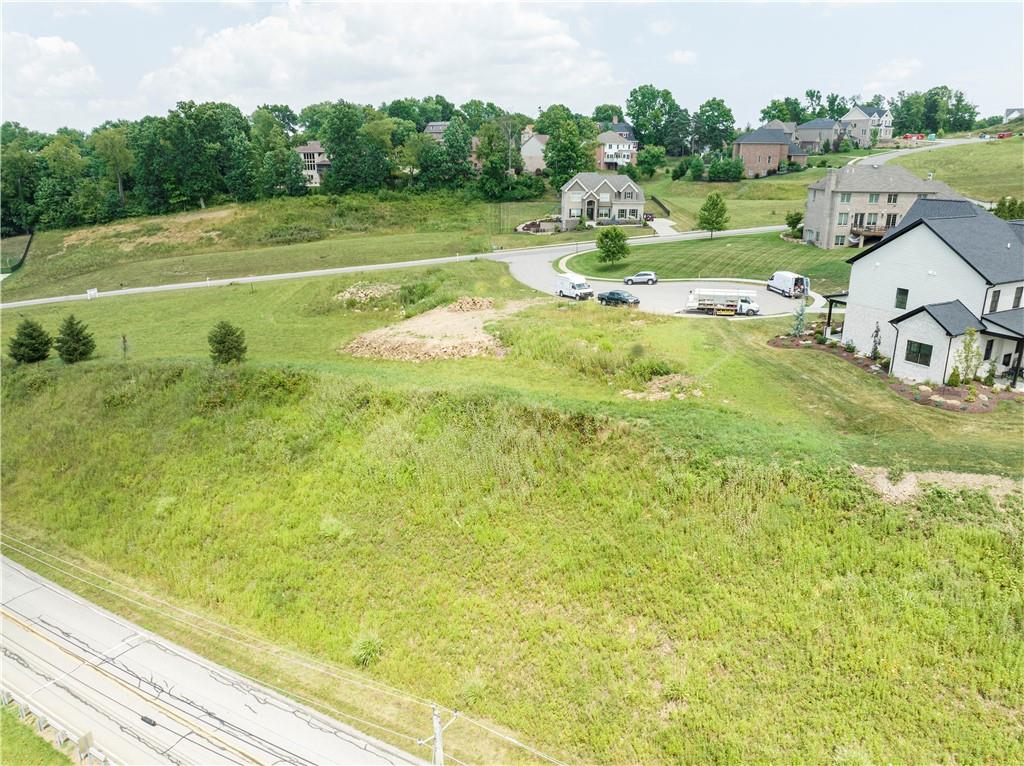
x=923, y=329
x=1006, y=292
x=918, y=261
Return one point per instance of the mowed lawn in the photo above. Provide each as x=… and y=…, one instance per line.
x=21, y=746
x=752, y=256
x=986, y=170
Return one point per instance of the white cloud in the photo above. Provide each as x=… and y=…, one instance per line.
x=303, y=54
x=681, y=57
x=46, y=77
x=888, y=76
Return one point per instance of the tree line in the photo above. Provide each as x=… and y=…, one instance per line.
x=935, y=110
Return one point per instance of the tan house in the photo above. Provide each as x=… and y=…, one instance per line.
x=858, y=204
x=531, y=147
x=814, y=134
x=314, y=162
x=859, y=124
x=613, y=151
x=789, y=128
x=764, y=150
x=603, y=199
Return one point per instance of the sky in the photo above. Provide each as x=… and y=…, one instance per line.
x=79, y=64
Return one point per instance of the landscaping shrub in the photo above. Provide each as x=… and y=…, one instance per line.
x=990, y=375
x=819, y=338
x=31, y=343
x=227, y=343
x=850, y=347
x=74, y=341
x=954, y=378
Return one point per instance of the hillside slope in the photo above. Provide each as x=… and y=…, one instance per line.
x=986, y=170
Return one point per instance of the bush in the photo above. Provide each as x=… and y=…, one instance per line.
x=972, y=393
x=227, y=343
x=850, y=346
x=680, y=170
x=990, y=375
x=954, y=378
x=367, y=649
x=31, y=343
x=793, y=220
x=819, y=338
x=74, y=342
x=286, y=235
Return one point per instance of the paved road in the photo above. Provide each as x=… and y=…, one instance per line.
x=96, y=673
x=537, y=255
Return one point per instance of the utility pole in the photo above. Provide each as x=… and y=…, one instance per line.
x=438, y=746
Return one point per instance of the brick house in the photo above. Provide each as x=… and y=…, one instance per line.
x=613, y=151
x=764, y=150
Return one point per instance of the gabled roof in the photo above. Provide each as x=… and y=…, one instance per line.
x=765, y=136
x=310, y=147
x=989, y=245
x=609, y=137
x=795, y=150
x=540, y=138
x=875, y=111
x=436, y=127
x=1012, y=320
x=819, y=123
x=787, y=127
x=881, y=179
x=591, y=181
x=620, y=127
x=952, y=316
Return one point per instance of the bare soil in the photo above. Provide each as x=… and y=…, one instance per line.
x=449, y=332
x=172, y=230
x=364, y=292
x=911, y=484
x=664, y=387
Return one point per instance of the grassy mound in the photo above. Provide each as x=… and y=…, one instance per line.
x=987, y=170
x=609, y=595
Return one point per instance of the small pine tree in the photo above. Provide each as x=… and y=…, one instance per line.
x=31, y=343
x=227, y=343
x=954, y=378
x=876, y=341
x=990, y=375
x=74, y=341
x=799, y=319
x=612, y=245
x=713, y=214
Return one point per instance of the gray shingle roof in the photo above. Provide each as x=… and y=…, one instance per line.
x=819, y=123
x=765, y=136
x=591, y=181
x=796, y=150
x=881, y=179
x=620, y=127
x=952, y=316
x=1012, y=320
x=875, y=111
x=990, y=245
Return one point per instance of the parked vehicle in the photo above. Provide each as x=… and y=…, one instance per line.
x=723, y=302
x=1005, y=134
x=617, y=298
x=789, y=284
x=648, y=217
x=642, y=277
x=571, y=286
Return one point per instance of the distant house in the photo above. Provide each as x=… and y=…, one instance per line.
x=789, y=128
x=764, y=150
x=601, y=199
x=814, y=134
x=855, y=204
x=1016, y=113
x=532, y=151
x=613, y=151
x=859, y=122
x=623, y=129
x=947, y=268
x=314, y=162
x=436, y=130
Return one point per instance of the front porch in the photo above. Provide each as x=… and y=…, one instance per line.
x=832, y=331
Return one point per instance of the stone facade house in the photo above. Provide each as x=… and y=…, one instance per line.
x=947, y=268
x=602, y=199
x=764, y=150
x=859, y=122
x=857, y=204
x=314, y=162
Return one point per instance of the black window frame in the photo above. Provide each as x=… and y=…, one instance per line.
x=906, y=296
x=1007, y=359
x=993, y=302
x=988, y=349
x=1017, y=295
x=892, y=198
x=915, y=355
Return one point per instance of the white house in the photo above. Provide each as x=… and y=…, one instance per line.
x=603, y=199
x=948, y=266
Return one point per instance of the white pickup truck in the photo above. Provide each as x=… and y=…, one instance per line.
x=723, y=302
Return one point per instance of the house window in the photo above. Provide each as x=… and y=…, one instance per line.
x=309, y=160
x=890, y=220
x=622, y=213
x=843, y=218
x=994, y=303
x=1017, y=296
x=988, y=349
x=575, y=212
x=604, y=212
x=891, y=199
x=840, y=239
x=844, y=197
x=902, y=294
x=872, y=198
x=1007, y=359
x=606, y=197
x=872, y=219
x=919, y=353
x=628, y=195
x=576, y=196
x=633, y=213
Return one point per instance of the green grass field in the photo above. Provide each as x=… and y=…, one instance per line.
x=698, y=580
x=275, y=236
x=752, y=256
x=986, y=170
x=21, y=746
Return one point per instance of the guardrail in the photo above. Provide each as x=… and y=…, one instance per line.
x=661, y=204
x=85, y=750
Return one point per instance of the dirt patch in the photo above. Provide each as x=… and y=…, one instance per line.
x=449, y=332
x=171, y=231
x=664, y=387
x=364, y=292
x=910, y=484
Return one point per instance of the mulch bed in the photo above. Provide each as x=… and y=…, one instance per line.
x=943, y=396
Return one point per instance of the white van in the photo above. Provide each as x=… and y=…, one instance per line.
x=572, y=286
x=789, y=284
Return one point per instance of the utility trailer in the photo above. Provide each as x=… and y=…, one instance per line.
x=723, y=302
